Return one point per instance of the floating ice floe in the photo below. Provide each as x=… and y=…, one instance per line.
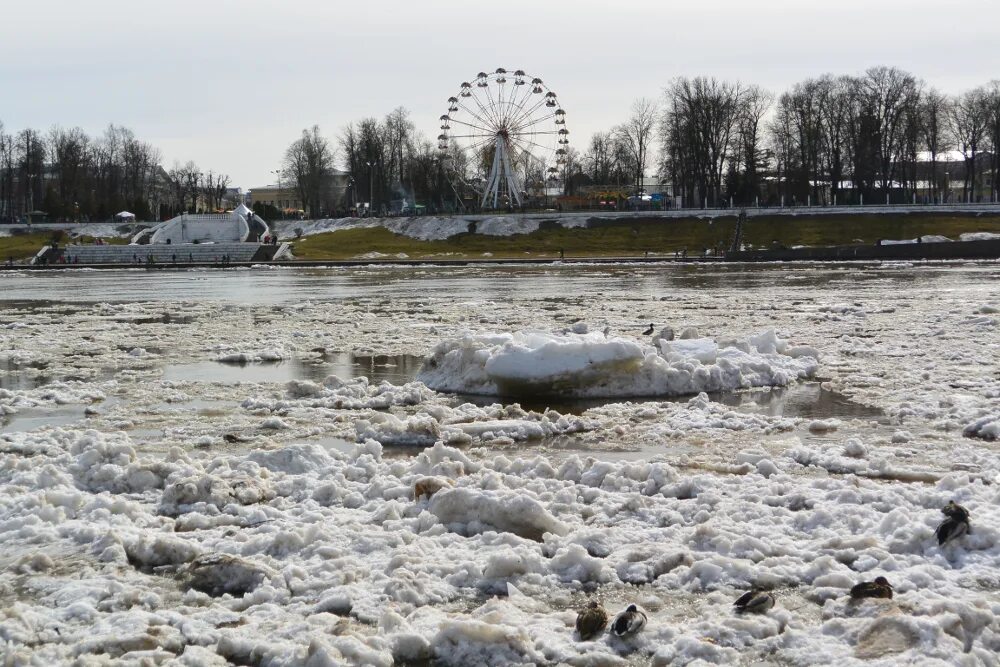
x=268, y=355
x=529, y=363
x=987, y=427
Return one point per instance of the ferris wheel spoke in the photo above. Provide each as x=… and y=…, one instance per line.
x=527, y=113
x=500, y=104
x=477, y=127
x=489, y=115
x=519, y=105
x=483, y=120
x=489, y=109
x=471, y=136
x=532, y=122
x=484, y=117
x=473, y=147
x=532, y=143
x=532, y=136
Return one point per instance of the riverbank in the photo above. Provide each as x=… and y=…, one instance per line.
x=547, y=237
x=642, y=237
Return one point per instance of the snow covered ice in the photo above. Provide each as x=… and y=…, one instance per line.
x=337, y=519
x=593, y=364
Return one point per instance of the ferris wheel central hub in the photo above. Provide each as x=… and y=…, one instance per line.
x=505, y=136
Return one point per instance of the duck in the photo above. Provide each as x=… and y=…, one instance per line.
x=754, y=601
x=649, y=331
x=628, y=622
x=955, y=525
x=591, y=620
x=880, y=588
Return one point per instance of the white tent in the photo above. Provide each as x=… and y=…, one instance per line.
x=125, y=215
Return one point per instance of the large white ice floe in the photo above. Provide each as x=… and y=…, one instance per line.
x=595, y=365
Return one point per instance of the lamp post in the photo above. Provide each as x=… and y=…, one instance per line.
x=31, y=194
x=350, y=184
x=371, y=188
x=277, y=174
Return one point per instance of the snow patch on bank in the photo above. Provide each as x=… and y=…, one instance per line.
x=434, y=228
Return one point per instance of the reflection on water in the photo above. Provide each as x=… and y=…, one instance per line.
x=397, y=369
x=23, y=380
x=30, y=419
x=335, y=444
x=459, y=282
x=29, y=377
x=806, y=400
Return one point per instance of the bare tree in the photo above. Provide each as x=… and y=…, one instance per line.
x=803, y=103
x=782, y=144
x=213, y=189
x=599, y=158
x=30, y=159
x=748, y=145
x=69, y=154
x=887, y=95
x=309, y=163
x=697, y=128
x=185, y=182
x=399, y=131
x=7, y=207
x=993, y=132
x=969, y=120
x=364, y=147
x=636, y=135
x=835, y=113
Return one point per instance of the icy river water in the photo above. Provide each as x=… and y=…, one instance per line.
x=440, y=465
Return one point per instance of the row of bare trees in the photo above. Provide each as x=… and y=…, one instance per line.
x=70, y=175
x=832, y=138
x=389, y=160
x=883, y=131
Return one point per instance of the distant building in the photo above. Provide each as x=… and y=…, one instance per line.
x=285, y=197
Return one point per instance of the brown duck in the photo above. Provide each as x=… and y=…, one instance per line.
x=880, y=588
x=591, y=620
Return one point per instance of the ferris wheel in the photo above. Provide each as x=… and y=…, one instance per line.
x=505, y=134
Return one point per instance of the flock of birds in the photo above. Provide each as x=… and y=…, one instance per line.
x=592, y=620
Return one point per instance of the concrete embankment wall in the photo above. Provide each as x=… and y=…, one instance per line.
x=918, y=251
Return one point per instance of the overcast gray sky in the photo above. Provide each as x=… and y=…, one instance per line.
x=230, y=83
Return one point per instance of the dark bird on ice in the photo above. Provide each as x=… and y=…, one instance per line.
x=628, y=622
x=649, y=331
x=955, y=526
x=955, y=511
x=880, y=588
x=754, y=601
x=591, y=620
